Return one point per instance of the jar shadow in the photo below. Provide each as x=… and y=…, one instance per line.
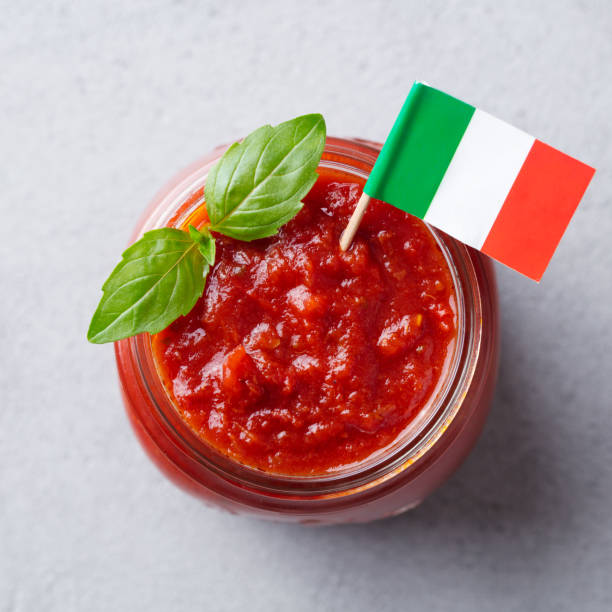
x=513, y=479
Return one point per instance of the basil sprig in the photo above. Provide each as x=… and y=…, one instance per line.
x=255, y=188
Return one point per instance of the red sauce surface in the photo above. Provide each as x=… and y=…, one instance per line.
x=300, y=359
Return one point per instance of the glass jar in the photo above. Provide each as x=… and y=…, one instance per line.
x=402, y=476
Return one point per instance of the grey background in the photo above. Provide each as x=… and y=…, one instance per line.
x=100, y=104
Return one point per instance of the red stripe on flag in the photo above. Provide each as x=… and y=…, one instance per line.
x=537, y=210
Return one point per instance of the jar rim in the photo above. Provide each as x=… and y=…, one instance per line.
x=356, y=157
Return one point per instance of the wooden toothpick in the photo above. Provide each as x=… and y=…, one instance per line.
x=349, y=232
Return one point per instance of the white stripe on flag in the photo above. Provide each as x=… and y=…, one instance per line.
x=478, y=179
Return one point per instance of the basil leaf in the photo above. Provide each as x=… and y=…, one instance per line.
x=258, y=184
x=159, y=278
x=206, y=244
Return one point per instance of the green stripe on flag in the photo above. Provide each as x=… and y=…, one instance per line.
x=419, y=149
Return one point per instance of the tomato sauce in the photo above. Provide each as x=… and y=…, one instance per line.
x=300, y=359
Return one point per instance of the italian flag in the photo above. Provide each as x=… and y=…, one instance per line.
x=479, y=179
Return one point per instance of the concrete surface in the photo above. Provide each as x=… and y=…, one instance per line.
x=100, y=103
